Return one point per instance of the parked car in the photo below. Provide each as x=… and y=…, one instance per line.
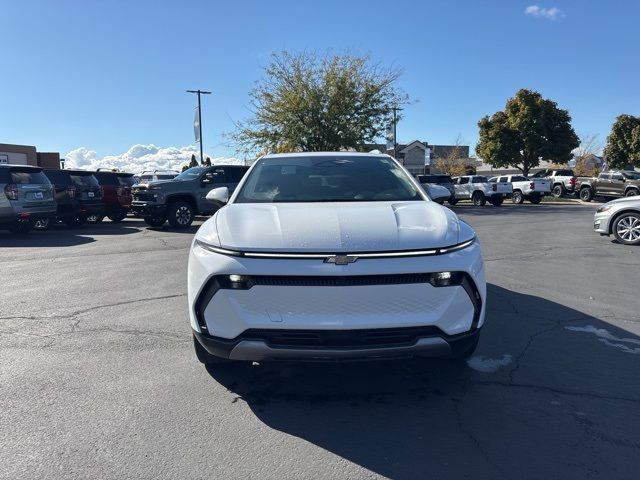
x=437, y=179
x=325, y=256
x=78, y=196
x=116, y=193
x=620, y=218
x=155, y=175
x=563, y=181
x=26, y=197
x=181, y=199
x=524, y=188
x=479, y=190
x=609, y=184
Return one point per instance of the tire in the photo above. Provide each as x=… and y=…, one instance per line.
x=536, y=199
x=43, y=224
x=155, y=222
x=452, y=201
x=626, y=228
x=632, y=192
x=517, y=197
x=586, y=194
x=94, y=218
x=478, y=199
x=180, y=214
x=76, y=221
x=205, y=357
x=21, y=227
x=558, y=190
x=496, y=202
x=117, y=217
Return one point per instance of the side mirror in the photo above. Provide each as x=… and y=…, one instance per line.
x=218, y=195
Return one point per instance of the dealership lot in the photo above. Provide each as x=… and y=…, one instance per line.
x=99, y=378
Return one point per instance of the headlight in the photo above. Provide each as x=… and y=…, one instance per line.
x=604, y=208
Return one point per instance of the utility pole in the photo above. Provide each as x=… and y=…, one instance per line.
x=200, y=92
x=395, y=123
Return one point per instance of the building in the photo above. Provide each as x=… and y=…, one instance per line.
x=411, y=155
x=28, y=155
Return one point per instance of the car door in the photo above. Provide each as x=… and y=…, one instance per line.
x=604, y=184
x=465, y=188
x=213, y=177
x=617, y=184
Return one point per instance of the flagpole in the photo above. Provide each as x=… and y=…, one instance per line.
x=200, y=120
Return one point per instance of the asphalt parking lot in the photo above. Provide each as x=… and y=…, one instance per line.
x=98, y=377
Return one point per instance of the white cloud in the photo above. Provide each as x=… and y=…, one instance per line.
x=139, y=158
x=552, y=13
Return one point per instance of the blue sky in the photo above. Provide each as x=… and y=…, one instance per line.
x=108, y=75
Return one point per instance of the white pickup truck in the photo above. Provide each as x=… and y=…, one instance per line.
x=525, y=188
x=479, y=190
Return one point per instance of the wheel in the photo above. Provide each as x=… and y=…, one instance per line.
x=76, y=221
x=478, y=199
x=180, y=214
x=94, y=218
x=517, y=197
x=21, y=227
x=626, y=228
x=155, y=222
x=205, y=357
x=117, y=217
x=452, y=200
x=632, y=192
x=558, y=190
x=586, y=194
x=496, y=202
x=43, y=224
x=536, y=199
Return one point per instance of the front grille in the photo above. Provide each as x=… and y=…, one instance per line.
x=340, y=281
x=143, y=197
x=378, y=337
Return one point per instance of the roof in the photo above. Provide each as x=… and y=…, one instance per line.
x=13, y=165
x=322, y=154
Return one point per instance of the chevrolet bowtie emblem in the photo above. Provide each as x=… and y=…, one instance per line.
x=340, y=259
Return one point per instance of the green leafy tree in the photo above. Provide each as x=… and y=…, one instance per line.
x=529, y=129
x=193, y=162
x=623, y=143
x=311, y=102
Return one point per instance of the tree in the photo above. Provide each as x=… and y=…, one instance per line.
x=207, y=162
x=185, y=167
x=585, y=155
x=193, y=162
x=452, y=162
x=623, y=143
x=310, y=102
x=529, y=129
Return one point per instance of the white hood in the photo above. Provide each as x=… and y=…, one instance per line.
x=334, y=227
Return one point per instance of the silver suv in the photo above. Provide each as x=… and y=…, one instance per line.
x=26, y=196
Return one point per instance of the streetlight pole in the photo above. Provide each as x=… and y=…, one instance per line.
x=199, y=92
x=395, y=123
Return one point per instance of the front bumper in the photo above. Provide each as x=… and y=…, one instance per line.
x=259, y=346
x=601, y=223
x=144, y=209
x=309, y=296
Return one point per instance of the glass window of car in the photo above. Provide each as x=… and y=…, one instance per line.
x=463, y=180
x=84, y=180
x=28, y=176
x=165, y=177
x=327, y=179
x=604, y=176
x=58, y=177
x=125, y=180
x=617, y=176
x=235, y=174
x=631, y=175
x=502, y=179
x=191, y=173
x=564, y=173
x=106, y=178
x=479, y=179
x=519, y=178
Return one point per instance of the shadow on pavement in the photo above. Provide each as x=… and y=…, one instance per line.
x=551, y=393
x=525, y=209
x=62, y=236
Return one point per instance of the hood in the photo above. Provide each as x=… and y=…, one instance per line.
x=631, y=200
x=153, y=183
x=334, y=227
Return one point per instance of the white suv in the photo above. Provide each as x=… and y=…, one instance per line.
x=325, y=256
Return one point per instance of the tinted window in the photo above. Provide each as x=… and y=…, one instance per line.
x=519, y=178
x=616, y=176
x=235, y=174
x=165, y=177
x=190, y=174
x=565, y=173
x=439, y=179
x=125, y=180
x=106, y=178
x=84, y=180
x=632, y=175
x=464, y=180
x=603, y=176
x=58, y=177
x=479, y=179
x=327, y=179
x=28, y=176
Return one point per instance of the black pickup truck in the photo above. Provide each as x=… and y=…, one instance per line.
x=616, y=183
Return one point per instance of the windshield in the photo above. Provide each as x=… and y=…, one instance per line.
x=84, y=180
x=191, y=173
x=28, y=176
x=327, y=179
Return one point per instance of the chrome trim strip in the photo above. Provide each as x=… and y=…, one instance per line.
x=398, y=254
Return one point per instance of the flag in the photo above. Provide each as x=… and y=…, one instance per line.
x=605, y=164
x=196, y=124
x=427, y=156
x=390, y=137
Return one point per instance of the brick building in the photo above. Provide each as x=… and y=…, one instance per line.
x=28, y=155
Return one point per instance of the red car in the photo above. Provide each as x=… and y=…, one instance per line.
x=116, y=194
